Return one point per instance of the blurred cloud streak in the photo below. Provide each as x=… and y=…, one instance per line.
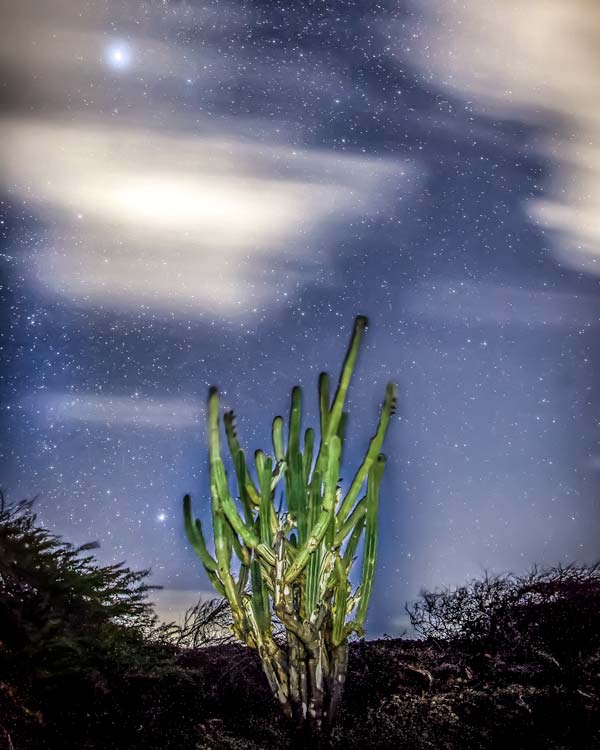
x=536, y=61
x=115, y=410
x=177, y=222
x=483, y=303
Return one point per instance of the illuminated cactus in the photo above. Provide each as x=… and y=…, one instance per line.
x=294, y=564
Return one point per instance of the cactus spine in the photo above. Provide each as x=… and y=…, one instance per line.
x=298, y=560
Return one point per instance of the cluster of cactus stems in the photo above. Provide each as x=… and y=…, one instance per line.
x=295, y=562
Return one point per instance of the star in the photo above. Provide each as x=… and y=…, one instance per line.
x=118, y=55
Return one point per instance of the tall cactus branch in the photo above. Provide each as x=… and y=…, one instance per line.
x=297, y=558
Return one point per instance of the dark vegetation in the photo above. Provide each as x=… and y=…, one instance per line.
x=504, y=662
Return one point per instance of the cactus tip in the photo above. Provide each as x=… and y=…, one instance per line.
x=361, y=321
x=392, y=395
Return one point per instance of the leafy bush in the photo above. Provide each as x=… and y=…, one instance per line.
x=71, y=632
x=60, y=612
x=557, y=609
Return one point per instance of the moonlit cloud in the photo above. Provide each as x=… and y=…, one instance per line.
x=179, y=222
x=537, y=61
x=144, y=211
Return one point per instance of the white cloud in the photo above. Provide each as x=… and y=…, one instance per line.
x=179, y=222
x=537, y=61
x=148, y=202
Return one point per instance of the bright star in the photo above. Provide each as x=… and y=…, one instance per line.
x=118, y=55
x=161, y=517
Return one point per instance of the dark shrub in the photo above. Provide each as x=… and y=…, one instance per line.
x=555, y=611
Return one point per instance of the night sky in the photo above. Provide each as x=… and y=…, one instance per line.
x=197, y=193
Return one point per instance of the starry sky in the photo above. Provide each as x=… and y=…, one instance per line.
x=208, y=192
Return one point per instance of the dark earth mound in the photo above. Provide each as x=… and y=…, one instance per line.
x=400, y=694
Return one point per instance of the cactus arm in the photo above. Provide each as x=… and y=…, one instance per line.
x=193, y=529
x=348, y=556
x=312, y=582
x=298, y=490
x=242, y=552
x=358, y=511
x=295, y=487
x=324, y=401
x=335, y=414
x=269, y=511
x=309, y=443
x=265, y=475
x=341, y=431
x=370, y=553
x=375, y=445
x=319, y=529
x=260, y=597
x=277, y=432
x=234, y=449
x=196, y=538
x=295, y=417
x=240, y=472
x=247, y=533
x=330, y=533
x=243, y=579
x=314, y=562
x=278, y=472
x=221, y=497
x=216, y=583
x=223, y=546
x=340, y=599
x=326, y=576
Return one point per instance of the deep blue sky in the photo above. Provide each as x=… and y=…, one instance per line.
x=208, y=193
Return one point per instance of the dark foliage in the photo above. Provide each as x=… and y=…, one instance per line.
x=206, y=624
x=56, y=604
x=530, y=613
x=71, y=633
x=504, y=662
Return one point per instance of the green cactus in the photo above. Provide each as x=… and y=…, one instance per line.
x=298, y=559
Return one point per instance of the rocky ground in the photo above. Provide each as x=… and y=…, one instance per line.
x=400, y=694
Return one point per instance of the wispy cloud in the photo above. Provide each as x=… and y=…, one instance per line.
x=539, y=62
x=112, y=410
x=473, y=303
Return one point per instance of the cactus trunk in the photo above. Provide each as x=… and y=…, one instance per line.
x=298, y=559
